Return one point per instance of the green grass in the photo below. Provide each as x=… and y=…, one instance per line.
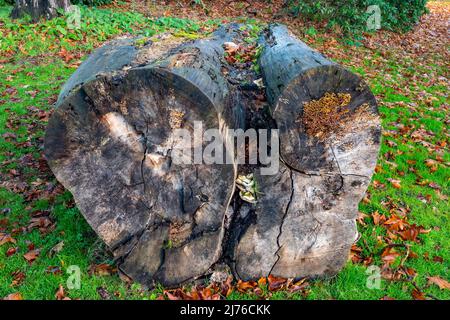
x=31, y=76
x=30, y=69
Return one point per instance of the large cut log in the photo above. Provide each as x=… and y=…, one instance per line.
x=110, y=142
x=304, y=221
x=37, y=9
x=296, y=75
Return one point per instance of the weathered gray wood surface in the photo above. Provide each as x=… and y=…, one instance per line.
x=305, y=216
x=39, y=8
x=294, y=74
x=110, y=140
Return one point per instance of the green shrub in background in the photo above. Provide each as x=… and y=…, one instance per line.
x=7, y=2
x=91, y=2
x=86, y=2
x=351, y=16
x=97, y=25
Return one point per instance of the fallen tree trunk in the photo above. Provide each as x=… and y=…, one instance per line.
x=110, y=142
x=37, y=9
x=329, y=141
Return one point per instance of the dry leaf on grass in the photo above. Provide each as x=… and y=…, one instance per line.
x=13, y=296
x=11, y=251
x=56, y=249
x=276, y=283
x=441, y=283
x=244, y=286
x=102, y=269
x=31, y=255
x=61, y=294
x=6, y=238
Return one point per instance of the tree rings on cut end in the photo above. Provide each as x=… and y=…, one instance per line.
x=110, y=143
x=328, y=122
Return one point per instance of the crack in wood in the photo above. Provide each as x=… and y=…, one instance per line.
x=282, y=221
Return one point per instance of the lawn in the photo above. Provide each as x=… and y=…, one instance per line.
x=404, y=217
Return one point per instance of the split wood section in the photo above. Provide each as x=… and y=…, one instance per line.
x=109, y=142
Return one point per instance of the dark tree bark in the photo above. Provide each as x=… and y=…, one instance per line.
x=305, y=215
x=110, y=141
x=39, y=8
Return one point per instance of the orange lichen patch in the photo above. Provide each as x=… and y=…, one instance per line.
x=176, y=119
x=321, y=117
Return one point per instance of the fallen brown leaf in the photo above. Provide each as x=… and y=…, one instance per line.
x=102, y=269
x=409, y=234
x=389, y=255
x=13, y=296
x=258, y=291
x=441, y=283
x=103, y=293
x=6, y=238
x=30, y=256
x=395, y=183
x=171, y=296
x=276, y=283
x=18, y=277
x=60, y=293
x=53, y=270
x=262, y=282
x=418, y=295
x=226, y=287
x=298, y=286
x=245, y=286
x=56, y=249
x=376, y=218
x=11, y=251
